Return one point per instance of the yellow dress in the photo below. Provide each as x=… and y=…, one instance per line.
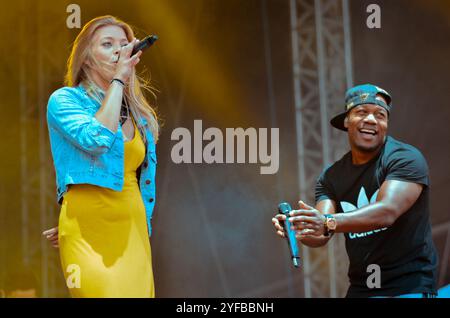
x=103, y=240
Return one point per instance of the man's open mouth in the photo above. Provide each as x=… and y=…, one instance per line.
x=367, y=131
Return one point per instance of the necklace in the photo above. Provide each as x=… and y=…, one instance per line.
x=124, y=113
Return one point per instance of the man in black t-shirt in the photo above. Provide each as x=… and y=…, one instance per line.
x=378, y=196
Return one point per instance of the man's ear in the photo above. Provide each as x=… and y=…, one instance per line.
x=346, y=122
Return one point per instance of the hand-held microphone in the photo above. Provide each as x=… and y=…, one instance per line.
x=285, y=208
x=144, y=44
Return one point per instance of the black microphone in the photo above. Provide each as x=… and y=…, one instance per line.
x=285, y=208
x=144, y=44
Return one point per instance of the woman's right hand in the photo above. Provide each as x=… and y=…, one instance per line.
x=52, y=236
x=125, y=64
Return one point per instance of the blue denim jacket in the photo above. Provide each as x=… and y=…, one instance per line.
x=85, y=151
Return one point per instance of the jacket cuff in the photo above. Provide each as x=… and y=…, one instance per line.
x=103, y=135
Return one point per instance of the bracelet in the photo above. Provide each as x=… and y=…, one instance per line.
x=118, y=80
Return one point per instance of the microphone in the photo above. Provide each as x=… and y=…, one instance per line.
x=285, y=208
x=144, y=44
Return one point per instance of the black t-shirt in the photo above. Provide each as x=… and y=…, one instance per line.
x=405, y=251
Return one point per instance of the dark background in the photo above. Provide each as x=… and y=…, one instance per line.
x=212, y=232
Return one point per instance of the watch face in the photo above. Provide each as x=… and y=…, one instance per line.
x=331, y=224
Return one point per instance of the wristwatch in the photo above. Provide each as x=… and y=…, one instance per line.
x=329, y=225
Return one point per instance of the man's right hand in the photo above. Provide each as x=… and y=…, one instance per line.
x=302, y=236
x=52, y=236
x=277, y=224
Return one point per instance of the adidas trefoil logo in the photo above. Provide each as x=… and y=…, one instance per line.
x=363, y=200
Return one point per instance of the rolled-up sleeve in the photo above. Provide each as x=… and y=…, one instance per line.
x=66, y=114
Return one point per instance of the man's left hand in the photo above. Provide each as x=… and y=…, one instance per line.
x=307, y=221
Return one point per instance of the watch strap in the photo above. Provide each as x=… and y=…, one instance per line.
x=327, y=232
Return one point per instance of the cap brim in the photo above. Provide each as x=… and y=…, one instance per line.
x=338, y=121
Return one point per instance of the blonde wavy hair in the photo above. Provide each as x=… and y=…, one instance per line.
x=78, y=73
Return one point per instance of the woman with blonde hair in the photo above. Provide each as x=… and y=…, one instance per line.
x=102, y=135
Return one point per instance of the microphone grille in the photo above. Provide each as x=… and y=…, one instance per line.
x=284, y=208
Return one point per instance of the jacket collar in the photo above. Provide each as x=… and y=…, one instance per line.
x=142, y=122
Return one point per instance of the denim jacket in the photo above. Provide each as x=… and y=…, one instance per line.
x=85, y=151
